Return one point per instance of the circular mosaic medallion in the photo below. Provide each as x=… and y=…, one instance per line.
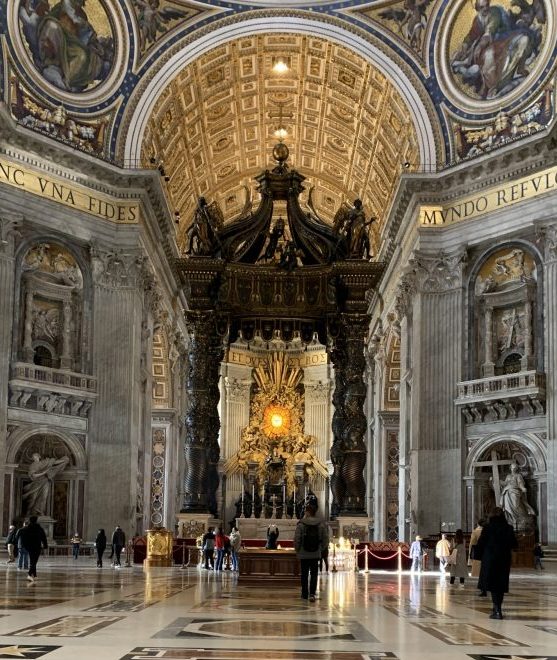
x=76, y=47
x=492, y=51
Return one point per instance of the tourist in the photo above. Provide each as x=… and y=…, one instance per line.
x=219, y=546
x=33, y=539
x=100, y=547
x=272, y=536
x=11, y=544
x=76, y=542
x=443, y=552
x=118, y=542
x=309, y=540
x=538, y=556
x=474, y=559
x=22, y=554
x=458, y=560
x=417, y=554
x=208, y=546
x=235, y=545
x=495, y=545
x=227, y=553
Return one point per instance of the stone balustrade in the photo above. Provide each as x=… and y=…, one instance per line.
x=496, y=398
x=51, y=390
x=59, y=377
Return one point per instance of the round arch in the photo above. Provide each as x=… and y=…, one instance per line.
x=528, y=440
x=140, y=114
x=20, y=436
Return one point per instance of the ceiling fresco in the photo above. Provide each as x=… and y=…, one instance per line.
x=482, y=75
x=349, y=131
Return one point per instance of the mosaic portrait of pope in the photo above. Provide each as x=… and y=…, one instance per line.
x=495, y=44
x=70, y=42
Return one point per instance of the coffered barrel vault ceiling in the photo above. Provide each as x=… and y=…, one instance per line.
x=349, y=130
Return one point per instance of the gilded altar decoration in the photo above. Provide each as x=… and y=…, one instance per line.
x=275, y=441
x=495, y=46
x=70, y=43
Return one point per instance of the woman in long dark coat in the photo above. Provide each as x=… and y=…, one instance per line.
x=495, y=546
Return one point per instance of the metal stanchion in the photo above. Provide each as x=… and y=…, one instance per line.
x=400, y=559
x=366, y=568
x=355, y=556
x=184, y=556
x=334, y=569
x=129, y=549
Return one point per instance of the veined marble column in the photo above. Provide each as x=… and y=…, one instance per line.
x=550, y=294
x=437, y=358
x=8, y=232
x=116, y=421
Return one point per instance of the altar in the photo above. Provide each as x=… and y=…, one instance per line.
x=276, y=565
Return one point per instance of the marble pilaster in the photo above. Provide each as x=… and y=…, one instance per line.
x=550, y=293
x=8, y=234
x=437, y=358
x=116, y=419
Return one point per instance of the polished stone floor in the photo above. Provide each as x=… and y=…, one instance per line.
x=75, y=611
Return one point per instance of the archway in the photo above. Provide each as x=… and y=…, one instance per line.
x=489, y=464
x=57, y=498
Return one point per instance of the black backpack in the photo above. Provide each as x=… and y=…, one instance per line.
x=310, y=539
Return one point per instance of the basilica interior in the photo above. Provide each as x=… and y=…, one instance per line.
x=236, y=269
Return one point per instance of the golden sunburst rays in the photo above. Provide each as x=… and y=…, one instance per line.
x=276, y=374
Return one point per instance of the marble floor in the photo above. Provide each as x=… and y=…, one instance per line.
x=75, y=611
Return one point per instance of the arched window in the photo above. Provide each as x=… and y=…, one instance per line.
x=43, y=357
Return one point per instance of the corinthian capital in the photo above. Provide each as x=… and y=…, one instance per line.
x=438, y=273
x=548, y=237
x=121, y=269
x=9, y=232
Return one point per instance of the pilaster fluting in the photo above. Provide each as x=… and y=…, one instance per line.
x=115, y=423
x=8, y=233
x=550, y=293
x=348, y=452
x=437, y=358
x=201, y=447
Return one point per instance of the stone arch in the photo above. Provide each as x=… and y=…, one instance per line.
x=522, y=447
x=138, y=116
x=530, y=441
x=64, y=512
x=20, y=436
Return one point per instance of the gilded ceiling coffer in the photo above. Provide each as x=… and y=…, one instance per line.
x=295, y=269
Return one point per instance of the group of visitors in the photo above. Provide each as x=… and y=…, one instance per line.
x=26, y=544
x=489, y=557
x=118, y=543
x=226, y=548
x=28, y=541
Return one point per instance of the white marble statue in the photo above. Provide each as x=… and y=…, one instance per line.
x=513, y=499
x=41, y=472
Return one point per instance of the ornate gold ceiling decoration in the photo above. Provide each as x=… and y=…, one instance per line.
x=349, y=130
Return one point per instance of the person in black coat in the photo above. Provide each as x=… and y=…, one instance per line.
x=33, y=539
x=495, y=546
x=100, y=547
x=118, y=543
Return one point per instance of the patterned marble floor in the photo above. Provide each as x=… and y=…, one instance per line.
x=76, y=611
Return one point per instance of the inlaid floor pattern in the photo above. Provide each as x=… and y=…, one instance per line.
x=76, y=611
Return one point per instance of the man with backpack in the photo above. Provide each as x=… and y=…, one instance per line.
x=309, y=541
